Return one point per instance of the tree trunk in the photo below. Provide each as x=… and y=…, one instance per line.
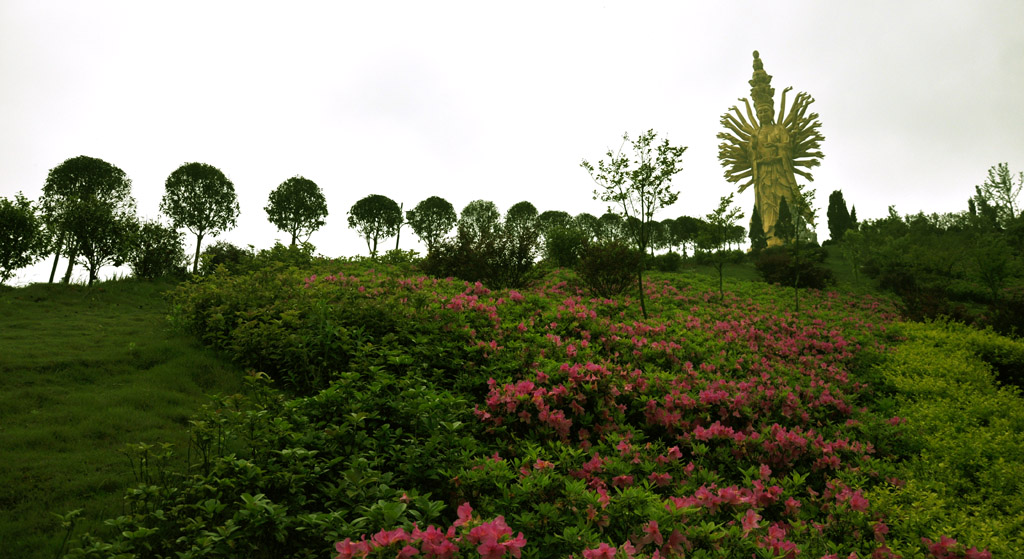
x=71, y=264
x=56, y=255
x=195, y=261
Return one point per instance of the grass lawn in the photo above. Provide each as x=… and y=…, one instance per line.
x=83, y=372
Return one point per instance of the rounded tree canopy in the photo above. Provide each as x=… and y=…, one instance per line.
x=201, y=199
x=82, y=179
x=297, y=206
x=431, y=220
x=375, y=217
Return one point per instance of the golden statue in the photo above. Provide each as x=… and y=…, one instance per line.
x=769, y=154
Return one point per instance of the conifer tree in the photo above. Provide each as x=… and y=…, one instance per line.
x=758, y=239
x=785, y=230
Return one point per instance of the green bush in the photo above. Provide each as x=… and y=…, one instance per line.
x=223, y=253
x=668, y=262
x=964, y=478
x=778, y=265
x=609, y=268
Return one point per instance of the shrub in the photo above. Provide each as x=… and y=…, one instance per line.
x=778, y=265
x=668, y=262
x=564, y=245
x=223, y=253
x=610, y=268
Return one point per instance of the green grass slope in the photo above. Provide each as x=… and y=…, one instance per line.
x=84, y=371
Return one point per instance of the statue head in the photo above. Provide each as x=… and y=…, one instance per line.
x=762, y=92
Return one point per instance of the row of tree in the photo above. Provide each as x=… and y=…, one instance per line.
x=87, y=214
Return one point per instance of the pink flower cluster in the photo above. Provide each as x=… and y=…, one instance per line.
x=492, y=540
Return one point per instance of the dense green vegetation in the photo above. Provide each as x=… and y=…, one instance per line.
x=735, y=426
x=84, y=372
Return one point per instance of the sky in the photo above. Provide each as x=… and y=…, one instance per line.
x=500, y=101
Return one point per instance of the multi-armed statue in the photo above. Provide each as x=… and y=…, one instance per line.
x=768, y=153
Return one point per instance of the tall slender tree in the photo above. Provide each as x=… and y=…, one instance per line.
x=639, y=191
x=838, y=216
x=758, y=239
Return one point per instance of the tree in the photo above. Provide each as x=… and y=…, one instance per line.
x=588, y=224
x=375, y=217
x=839, y=221
x=479, y=221
x=521, y=219
x=72, y=186
x=758, y=239
x=785, y=230
x=156, y=251
x=108, y=240
x=641, y=191
x=686, y=229
x=21, y=236
x=297, y=207
x=201, y=199
x=803, y=212
x=1000, y=192
x=718, y=233
x=431, y=220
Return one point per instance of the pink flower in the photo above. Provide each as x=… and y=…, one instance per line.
x=465, y=513
x=622, y=481
x=750, y=521
x=603, y=551
x=349, y=549
x=407, y=551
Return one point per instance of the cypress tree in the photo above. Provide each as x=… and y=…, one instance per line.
x=785, y=229
x=838, y=216
x=758, y=239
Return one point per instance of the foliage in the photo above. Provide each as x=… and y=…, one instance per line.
x=839, y=219
x=641, y=191
x=781, y=266
x=223, y=253
x=78, y=196
x=964, y=477
x=22, y=239
x=730, y=430
x=717, y=233
x=156, y=251
x=431, y=220
x=999, y=193
x=785, y=229
x=564, y=246
x=686, y=230
x=667, y=262
x=201, y=199
x=758, y=238
x=109, y=239
x=487, y=249
x=297, y=207
x=607, y=268
x=375, y=217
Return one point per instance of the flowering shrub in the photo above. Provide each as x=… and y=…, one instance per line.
x=713, y=429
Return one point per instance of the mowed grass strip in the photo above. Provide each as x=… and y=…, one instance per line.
x=83, y=372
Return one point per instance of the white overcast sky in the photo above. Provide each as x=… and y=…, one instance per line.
x=500, y=100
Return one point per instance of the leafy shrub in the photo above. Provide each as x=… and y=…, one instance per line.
x=563, y=246
x=778, y=265
x=720, y=430
x=398, y=257
x=609, y=268
x=223, y=253
x=157, y=251
x=668, y=262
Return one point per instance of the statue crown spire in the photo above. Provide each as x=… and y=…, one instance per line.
x=760, y=84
